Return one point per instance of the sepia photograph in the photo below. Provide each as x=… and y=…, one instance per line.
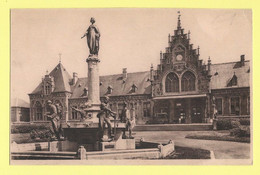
x=135, y=85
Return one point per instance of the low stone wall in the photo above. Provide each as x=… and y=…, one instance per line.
x=124, y=154
x=41, y=146
x=35, y=151
x=43, y=155
x=175, y=127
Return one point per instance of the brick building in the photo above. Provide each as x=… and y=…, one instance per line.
x=181, y=89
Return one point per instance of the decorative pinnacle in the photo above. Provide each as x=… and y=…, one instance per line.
x=209, y=61
x=179, y=20
x=198, y=50
x=47, y=72
x=152, y=66
x=189, y=34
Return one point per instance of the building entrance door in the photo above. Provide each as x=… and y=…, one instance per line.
x=196, y=115
x=180, y=113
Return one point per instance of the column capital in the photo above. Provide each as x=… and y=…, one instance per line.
x=93, y=58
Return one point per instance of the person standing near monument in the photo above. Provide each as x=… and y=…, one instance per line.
x=128, y=120
x=103, y=116
x=93, y=36
x=52, y=114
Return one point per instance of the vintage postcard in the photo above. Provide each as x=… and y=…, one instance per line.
x=131, y=86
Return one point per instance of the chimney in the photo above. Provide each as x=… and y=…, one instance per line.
x=124, y=73
x=242, y=60
x=75, y=78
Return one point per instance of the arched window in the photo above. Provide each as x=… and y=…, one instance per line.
x=188, y=82
x=172, y=83
x=38, y=111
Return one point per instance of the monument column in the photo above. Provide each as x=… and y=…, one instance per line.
x=93, y=104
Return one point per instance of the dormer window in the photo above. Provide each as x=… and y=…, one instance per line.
x=85, y=92
x=109, y=89
x=47, y=85
x=133, y=88
x=233, y=81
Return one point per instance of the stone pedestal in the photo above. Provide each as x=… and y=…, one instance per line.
x=54, y=146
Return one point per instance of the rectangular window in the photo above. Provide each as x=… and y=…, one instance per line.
x=219, y=106
x=74, y=114
x=47, y=89
x=234, y=106
x=146, y=109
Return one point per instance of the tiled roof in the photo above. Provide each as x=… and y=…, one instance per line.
x=119, y=85
x=17, y=102
x=222, y=74
x=61, y=80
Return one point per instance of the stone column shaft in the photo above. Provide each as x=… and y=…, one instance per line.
x=93, y=82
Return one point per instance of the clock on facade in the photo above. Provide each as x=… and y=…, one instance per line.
x=179, y=57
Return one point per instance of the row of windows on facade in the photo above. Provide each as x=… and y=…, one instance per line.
x=75, y=115
x=235, y=107
x=187, y=82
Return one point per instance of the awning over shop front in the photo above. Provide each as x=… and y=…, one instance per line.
x=180, y=96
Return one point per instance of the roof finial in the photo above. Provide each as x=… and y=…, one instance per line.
x=47, y=72
x=179, y=20
x=189, y=34
x=209, y=60
x=60, y=57
x=198, y=50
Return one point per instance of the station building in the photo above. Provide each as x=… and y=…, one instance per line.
x=181, y=89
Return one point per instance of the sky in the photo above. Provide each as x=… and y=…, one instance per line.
x=130, y=38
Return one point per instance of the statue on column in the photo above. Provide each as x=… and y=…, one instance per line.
x=92, y=34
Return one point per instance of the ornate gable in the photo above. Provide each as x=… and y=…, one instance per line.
x=178, y=58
